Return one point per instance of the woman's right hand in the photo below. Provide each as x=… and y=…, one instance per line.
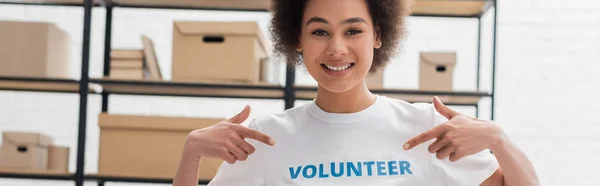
x=226, y=139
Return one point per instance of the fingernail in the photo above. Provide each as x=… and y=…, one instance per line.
x=406, y=146
x=271, y=141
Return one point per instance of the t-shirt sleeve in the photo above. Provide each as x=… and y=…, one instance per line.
x=468, y=171
x=241, y=173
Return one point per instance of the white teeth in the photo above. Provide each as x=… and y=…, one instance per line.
x=338, y=68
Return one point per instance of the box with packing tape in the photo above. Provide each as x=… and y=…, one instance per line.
x=28, y=151
x=148, y=146
x=221, y=51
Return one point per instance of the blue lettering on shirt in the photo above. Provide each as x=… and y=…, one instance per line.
x=404, y=166
x=369, y=164
x=341, y=169
x=312, y=169
x=348, y=169
x=322, y=173
x=392, y=168
x=357, y=170
x=295, y=173
x=381, y=168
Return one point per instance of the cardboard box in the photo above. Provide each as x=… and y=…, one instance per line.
x=129, y=73
x=34, y=49
x=128, y=54
x=230, y=51
x=24, y=150
x=148, y=146
x=126, y=63
x=58, y=159
x=437, y=71
x=218, y=4
x=272, y=71
x=375, y=80
x=150, y=59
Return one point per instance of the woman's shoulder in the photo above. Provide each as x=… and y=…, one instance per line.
x=408, y=107
x=420, y=112
x=278, y=119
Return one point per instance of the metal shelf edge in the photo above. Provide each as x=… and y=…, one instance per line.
x=410, y=91
x=16, y=175
x=133, y=179
x=190, y=95
x=185, y=84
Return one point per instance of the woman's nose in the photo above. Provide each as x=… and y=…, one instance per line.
x=336, y=47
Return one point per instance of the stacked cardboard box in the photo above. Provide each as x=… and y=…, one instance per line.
x=375, y=80
x=220, y=51
x=34, y=49
x=148, y=146
x=135, y=64
x=127, y=64
x=27, y=151
x=436, y=71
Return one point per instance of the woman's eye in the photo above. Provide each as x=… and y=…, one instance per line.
x=353, y=32
x=319, y=33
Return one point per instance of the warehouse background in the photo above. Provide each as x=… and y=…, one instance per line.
x=547, y=78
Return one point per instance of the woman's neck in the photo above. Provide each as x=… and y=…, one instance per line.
x=353, y=100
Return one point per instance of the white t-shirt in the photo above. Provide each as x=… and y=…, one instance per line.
x=314, y=147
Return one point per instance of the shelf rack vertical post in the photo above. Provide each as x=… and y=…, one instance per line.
x=494, y=40
x=107, y=50
x=83, y=93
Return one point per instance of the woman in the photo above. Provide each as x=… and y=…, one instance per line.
x=348, y=135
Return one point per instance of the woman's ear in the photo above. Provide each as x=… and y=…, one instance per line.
x=299, y=45
x=377, y=37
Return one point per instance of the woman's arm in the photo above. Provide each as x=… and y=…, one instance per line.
x=187, y=172
x=462, y=136
x=515, y=168
x=224, y=140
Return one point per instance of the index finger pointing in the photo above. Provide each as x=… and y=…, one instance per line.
x=254, y=134
x=425, y=136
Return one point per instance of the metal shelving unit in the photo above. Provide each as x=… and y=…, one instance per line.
x=470, y=9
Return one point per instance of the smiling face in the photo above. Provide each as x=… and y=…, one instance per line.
x=337, y=42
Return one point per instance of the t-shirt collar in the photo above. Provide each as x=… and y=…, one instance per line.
x=342, y=118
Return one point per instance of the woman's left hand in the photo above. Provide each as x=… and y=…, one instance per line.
x=461, y=136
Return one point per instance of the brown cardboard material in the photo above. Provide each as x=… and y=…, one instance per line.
x=230, y=51
x=375, y=80
x=33, y=172
x=437, y=71
x=219, y=4
x=151, y=61
x=448, y=7
x=34, y=49
x=24, y=150
x=148, y=146
x=126, y=63
x=127, y=54
x=127, y=73
x=58, y=159
x=45, y=86
x=271, y=71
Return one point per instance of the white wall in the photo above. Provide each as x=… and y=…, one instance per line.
x=546, y=78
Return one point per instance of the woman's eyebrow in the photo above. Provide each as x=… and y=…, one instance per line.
x=353, y=20
x=317, y=20
x=346, y=21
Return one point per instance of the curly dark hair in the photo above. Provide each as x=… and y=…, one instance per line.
x=388, y=16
